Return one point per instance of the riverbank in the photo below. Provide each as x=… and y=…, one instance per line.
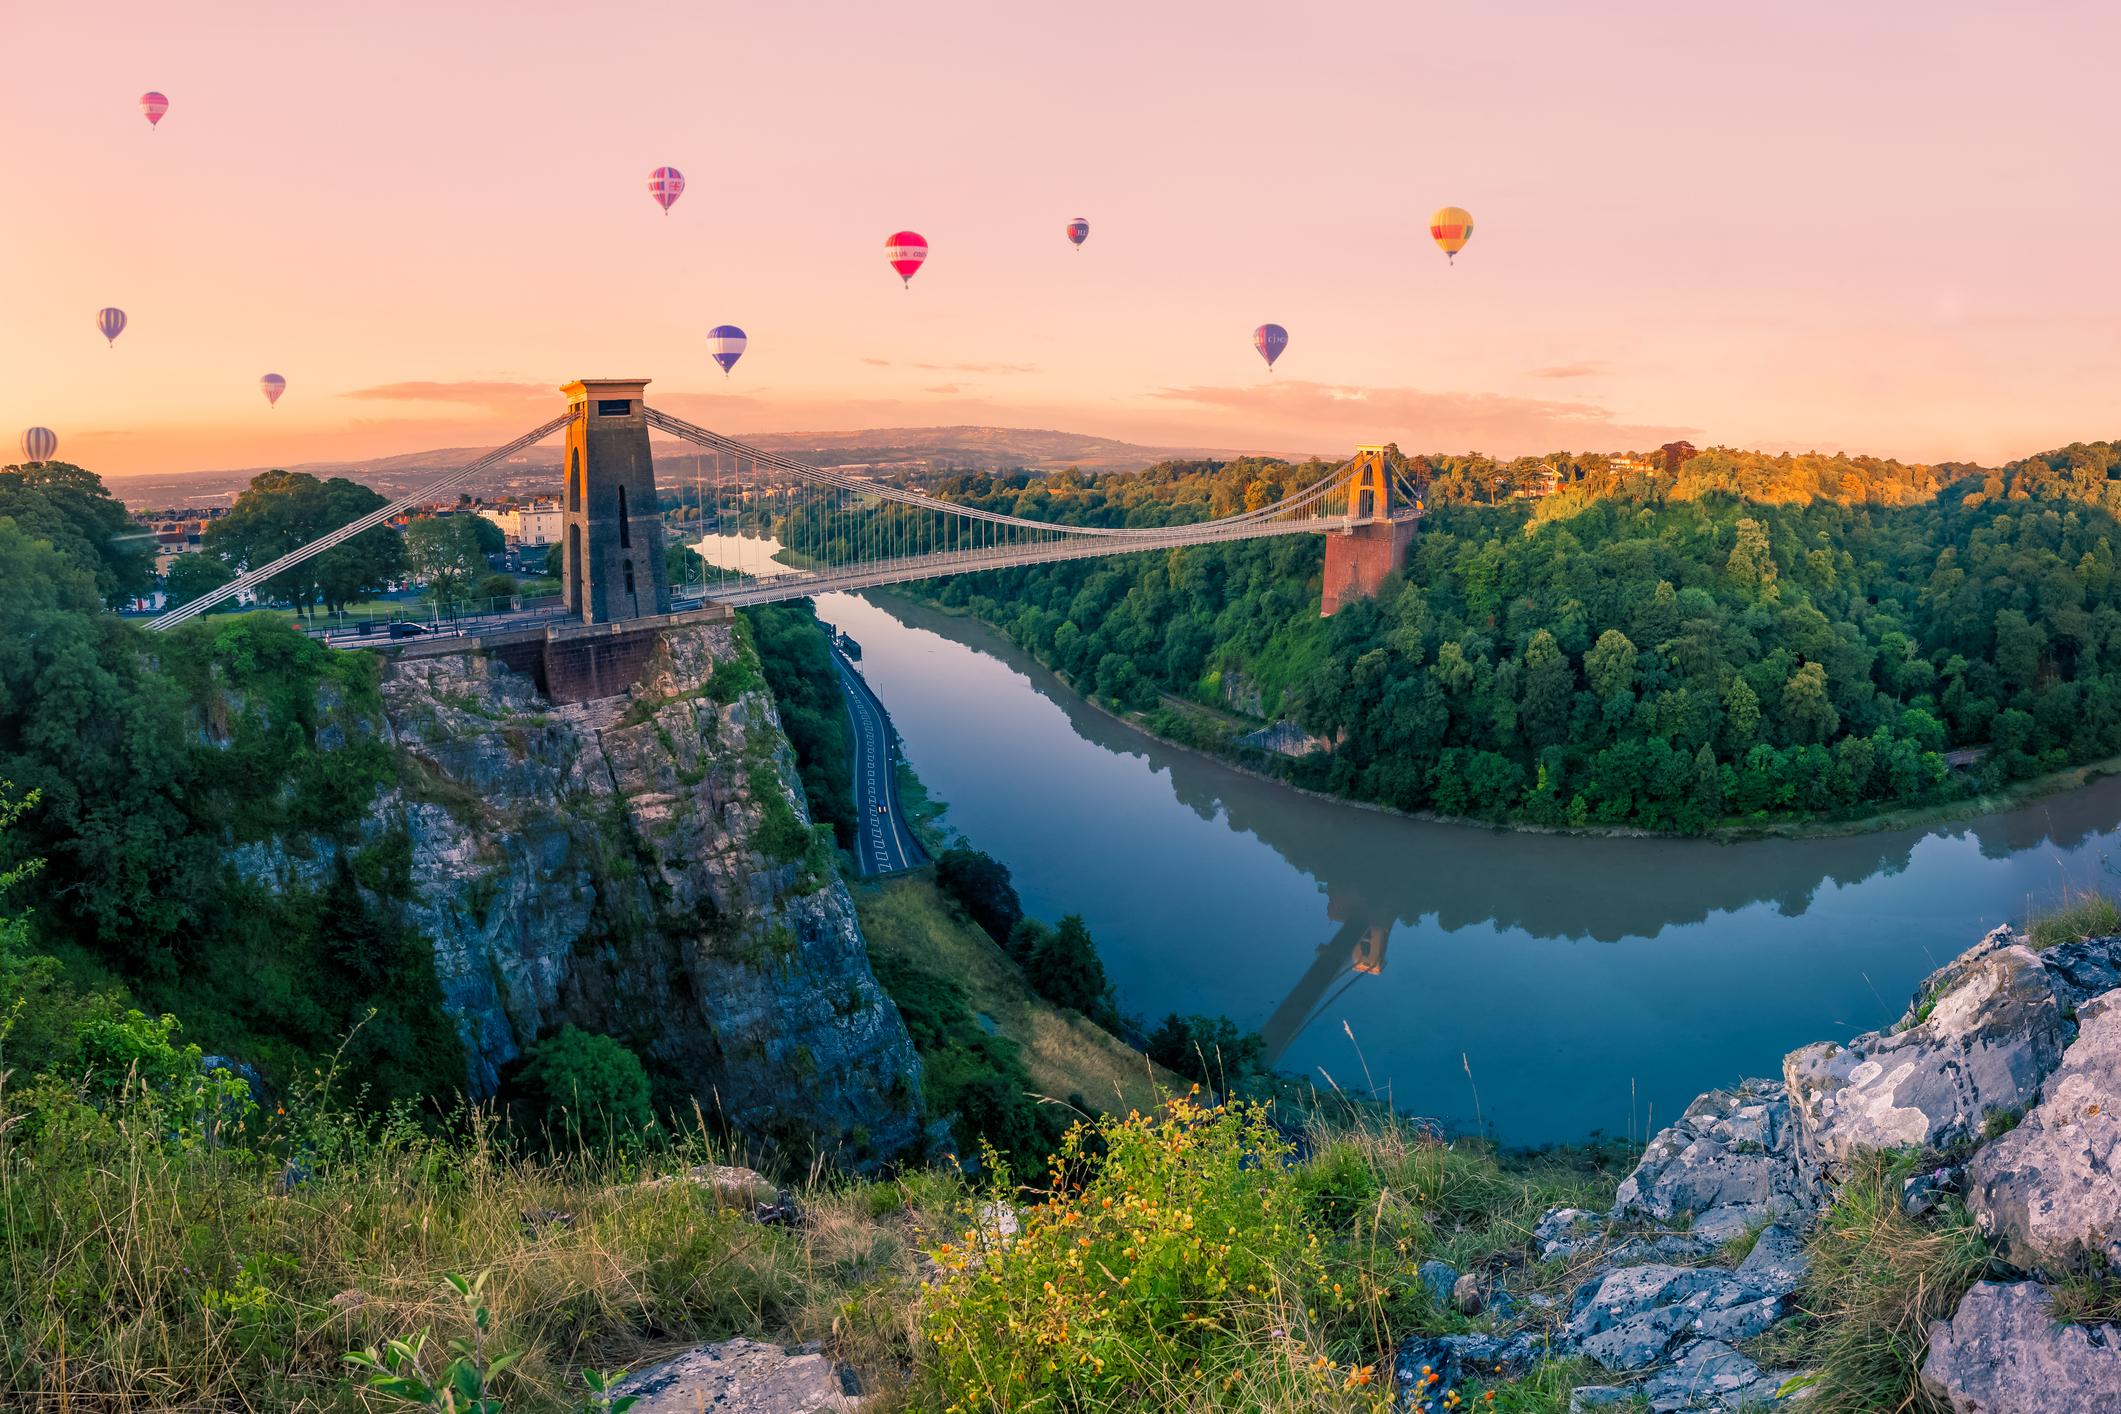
x=1217, y=742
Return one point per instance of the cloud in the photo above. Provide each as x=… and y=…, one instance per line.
x=978, y=367
x=877, y=362
x=494, y=395
x=942, y=388
x=1590, y=368
x=1319, y=414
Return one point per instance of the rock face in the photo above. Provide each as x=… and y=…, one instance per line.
x=1631, y=1318
x=741, y=1377
x=1727, y=1162
x=2049, y=1191
x=637, y=867
x=1985, y=1030
x=2003, y=1353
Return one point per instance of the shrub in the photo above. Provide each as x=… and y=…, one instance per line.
x=587, y=1087
x=980, y=883
x=1209, y=1049
x=1064, y=968
x=1169, y=1265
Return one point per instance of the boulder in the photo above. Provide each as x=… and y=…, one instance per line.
x=1467, y=1295
x=1676, y=1248
x=1564, y=1232
x=1984, y=1032
x=1587, y=1397
x=1440, y=1278
x=1710, y=1375
x=1924, y=1191
x=2003, y=1353
x=1727, y=1163
x=1426, y=1368
x=1628, y=1318
x=2087, y=968
x=742, y=1377
x=2049, y=1191
x=1777, y=1263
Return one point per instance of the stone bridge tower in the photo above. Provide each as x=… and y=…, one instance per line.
x=1374, y=541
x=611, y=528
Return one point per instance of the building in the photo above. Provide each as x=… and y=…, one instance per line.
x=178, y=530
x=529, y=527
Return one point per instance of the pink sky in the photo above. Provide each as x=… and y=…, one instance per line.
x=1880, y=226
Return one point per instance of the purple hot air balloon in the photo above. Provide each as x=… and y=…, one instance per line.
x=1270, y=340
x=1078, y=231
x=272, y=385
x=39, y=444
x=725, y=345
x=666, y=184
x=111, y=321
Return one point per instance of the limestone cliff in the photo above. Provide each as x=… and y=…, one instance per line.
x=643, y=867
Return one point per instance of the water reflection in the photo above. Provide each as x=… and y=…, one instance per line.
x=1567, y=973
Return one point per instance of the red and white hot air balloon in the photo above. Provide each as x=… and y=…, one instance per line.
x=272, y=385
x=906, y=250
x=666, y=185
x=39, y=444
x=110, y=322
x=153, y=105
x=1078, y=231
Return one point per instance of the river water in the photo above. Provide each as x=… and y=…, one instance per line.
x=1587, y=984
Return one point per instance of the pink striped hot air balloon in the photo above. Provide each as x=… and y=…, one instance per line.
x=666, y=184
x=111, y=323
x=39, y=444
x=153, y=105
x=272, y=385
x=906, y=250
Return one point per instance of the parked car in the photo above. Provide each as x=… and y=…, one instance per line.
x=407, y=630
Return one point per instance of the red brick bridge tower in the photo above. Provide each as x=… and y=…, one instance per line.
x=1374, y=541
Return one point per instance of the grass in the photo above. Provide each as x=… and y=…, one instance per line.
x=2082, y=915
x=908, y=920
x=1878, y=1278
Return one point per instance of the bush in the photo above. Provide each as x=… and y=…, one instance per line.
x=1169, y=1265
x=1065, y=970
x=1209, y=1049
x=980, y=883
x=586, y=1087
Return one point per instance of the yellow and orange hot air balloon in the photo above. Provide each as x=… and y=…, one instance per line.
x=1452, y=227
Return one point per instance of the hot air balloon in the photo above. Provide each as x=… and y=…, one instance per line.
x=666, y=184
x=38, y=445
x=1078, y=231
x=153, y=105
x=906, y=250
x=1270, y=340
x=725, y=345
x=273, y=385
x=112, y=323
x=1452, y=227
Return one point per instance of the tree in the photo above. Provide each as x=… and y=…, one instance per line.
x=1806, y=708
x=555, y=561
x=61, y=503
x=1550, y=684
x=282, y=511
x=1610, y=665
x=442, y=552
x=1065, y=970
x=192, y=575
x=980, y=883
x=581, y=1086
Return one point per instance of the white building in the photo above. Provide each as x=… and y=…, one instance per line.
x=531, y=526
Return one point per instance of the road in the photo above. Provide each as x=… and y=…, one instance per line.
x=883, y=844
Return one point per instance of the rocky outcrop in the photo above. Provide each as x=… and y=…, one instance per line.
x=742, y=1377
x=1727, y=1164
x=1983, y=1033
x=2049, y=1191
x=2003, y=1352
x=1635, y=1317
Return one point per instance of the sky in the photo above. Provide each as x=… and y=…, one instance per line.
x=1885, y=227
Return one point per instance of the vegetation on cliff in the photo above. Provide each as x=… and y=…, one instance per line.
x=1664, y=656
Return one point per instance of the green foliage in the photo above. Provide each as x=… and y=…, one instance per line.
x=443, y=553
x=190, y=576
x=796, y=661
x=70, y=510
x=980, y=884
x=1211, y=1051
x=2087, y=915
x=284, y=510
x=581, y=1090
x=1065, y=970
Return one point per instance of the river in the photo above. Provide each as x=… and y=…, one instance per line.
x=1587, y=984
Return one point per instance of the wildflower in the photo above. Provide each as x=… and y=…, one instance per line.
x=1360, y=1377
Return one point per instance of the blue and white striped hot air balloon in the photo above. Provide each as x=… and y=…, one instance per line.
x=111, y=322
x=39, y=444
x=725, y=345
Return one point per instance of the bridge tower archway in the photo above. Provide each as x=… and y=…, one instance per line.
x=1373, y=539
x=614, y=534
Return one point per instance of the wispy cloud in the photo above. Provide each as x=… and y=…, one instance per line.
x=491, y=394
x=1589, y=368
x=942, y=388
x=877, y=362
x=978, y=367
x=1418, y=418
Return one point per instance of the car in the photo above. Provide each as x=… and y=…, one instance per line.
x=407, y=630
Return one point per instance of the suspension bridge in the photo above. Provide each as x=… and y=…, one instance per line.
x=837, y=529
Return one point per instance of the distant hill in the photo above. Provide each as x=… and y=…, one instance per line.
x=966, y=448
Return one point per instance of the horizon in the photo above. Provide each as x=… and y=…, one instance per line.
x=1656, y=255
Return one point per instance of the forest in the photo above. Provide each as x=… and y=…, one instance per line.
x=1745, y=640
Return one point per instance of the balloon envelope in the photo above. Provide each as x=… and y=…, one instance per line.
x=1452, y=227
x=725, y=345
x=1270, y=340
x=905, y=250
x=1078, y=230
x=153, y=105
x=38, y=444
x=111, y=322
x=666, y=184
x=273, y=385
